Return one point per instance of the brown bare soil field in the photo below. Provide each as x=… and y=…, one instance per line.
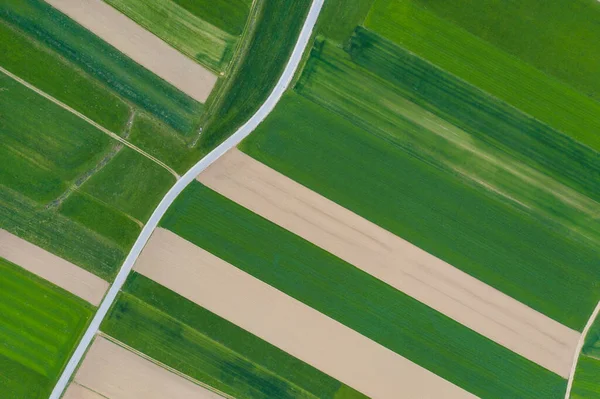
x=393, y=260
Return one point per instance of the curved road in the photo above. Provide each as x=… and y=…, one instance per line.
x=187, y=178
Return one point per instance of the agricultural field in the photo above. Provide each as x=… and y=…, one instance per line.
x=586, y=383
x=200, y=344
x=40, y=325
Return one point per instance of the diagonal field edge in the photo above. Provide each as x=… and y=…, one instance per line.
x=579, y=348
x=88, y=120
x=265, y=109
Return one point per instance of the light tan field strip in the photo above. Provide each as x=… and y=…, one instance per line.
x=76, y=391
x=140, y=45
x=114, y=372
x=287, y=323
x=52, y=268
x=88, y=120
x=393, y=260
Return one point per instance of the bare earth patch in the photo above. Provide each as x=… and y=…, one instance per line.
x=140, y=45
x=287, y=323
x=117, y=373
x=52, y=268
x=76, y=391
x=393, y=260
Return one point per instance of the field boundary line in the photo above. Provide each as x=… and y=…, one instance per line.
x=241, y=133
x=577, y=354
x=88, y=120
x=164, y=366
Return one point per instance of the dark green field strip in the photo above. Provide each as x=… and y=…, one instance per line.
x=42, y=146
x=461, y=224
x=354, y=298
x=278, y=25
x=159, y=140
x=100, y=218
x=227, y=15
x=57, y=32
x=58, y=234
x=481, y=115
x=586, y=384
x=338, y=18
x=420, y=31
x=332, y=80
x=52, y=74
x=39, y=327
x=559, y=37
x=198, y=343
x=130, y=183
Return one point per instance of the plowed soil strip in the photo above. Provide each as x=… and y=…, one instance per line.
x=140, y=45
x=52, y=268
x=286, y=323
x=116, y=373
x=393, y=260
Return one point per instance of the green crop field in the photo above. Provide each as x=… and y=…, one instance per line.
x=189, y=34
x=422, y=32
x=177, y=332
x=339, y=18
x=254, y=78
x=39, y=327
x=558, y=37
x=354, y=298
x=586, y=384
x=468, y=227
x=55, y=31
x=227, y=15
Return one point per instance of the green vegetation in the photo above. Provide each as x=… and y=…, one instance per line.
x=227, y=15
x=559, y=37
x=416, y=28
x=347, y=294
x=466, y=226
x=55, y=31
x=44, y=148
x=101, y=218
x=184, y=31
x=54, y=75
x=339, y=18
x=41, y=324
x=586, y=384
x=177, y=332
x=476, y=112
x=130, y=183
x=277, y=27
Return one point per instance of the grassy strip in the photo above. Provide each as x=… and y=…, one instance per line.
x=478, y=113
x=339, y=18
x=559, y=37
x=60, y=235
x=41, y=324
x=23, y=57
x=80, y=47
x=227, y=15
x=130, y=183
x=184, y=31
x=483, y=65
x=196, y=342
x=435, y=210
x=43, y=147
x=586, y=384
x=354, y=298
x=278, y=26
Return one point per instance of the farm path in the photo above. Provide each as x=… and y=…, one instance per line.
x=88, y=120
x=247, y=128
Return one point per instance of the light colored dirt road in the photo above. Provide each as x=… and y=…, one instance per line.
x=393, y=260
x=52, y=268
x=140, y=45
x=287, y=323
x=116, y=373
